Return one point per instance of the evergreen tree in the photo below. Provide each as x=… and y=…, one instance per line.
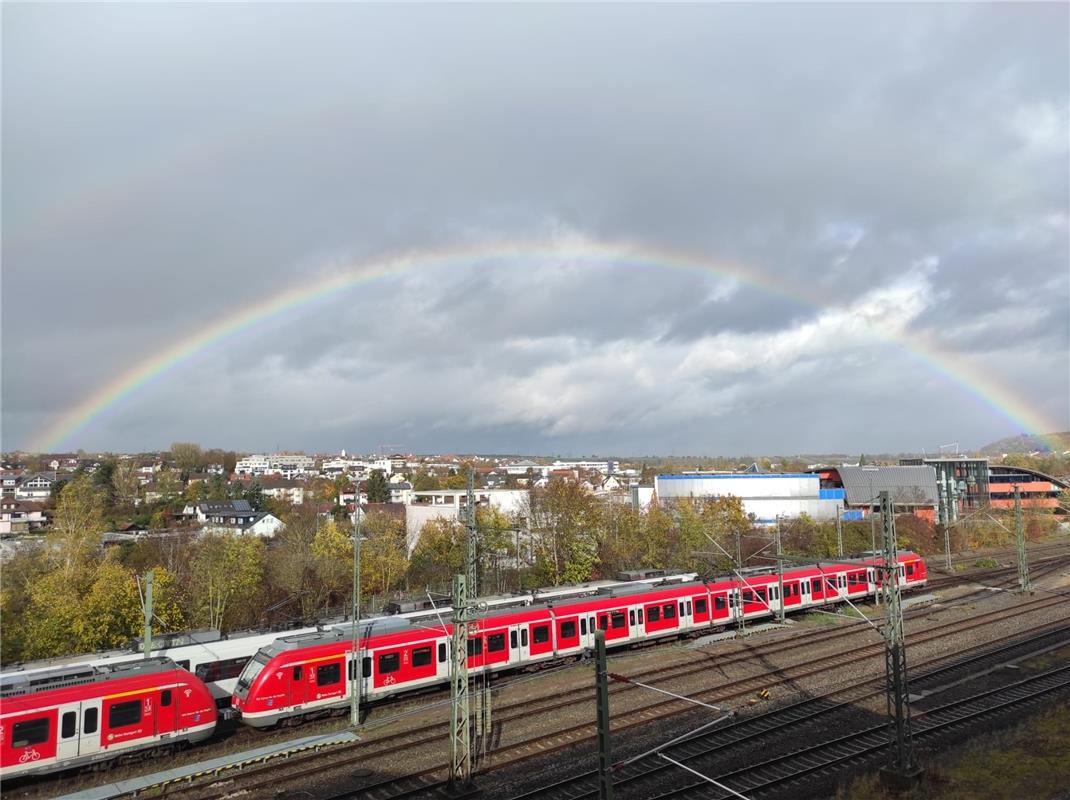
x=377, y=488
x=255, y=495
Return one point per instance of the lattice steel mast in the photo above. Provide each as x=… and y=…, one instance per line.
x=1019, y=541
x=902, y=763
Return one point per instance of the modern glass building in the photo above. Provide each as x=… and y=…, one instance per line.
x=967, y=476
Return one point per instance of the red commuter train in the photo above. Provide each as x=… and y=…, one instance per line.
x=75, y=716
x=310, y=675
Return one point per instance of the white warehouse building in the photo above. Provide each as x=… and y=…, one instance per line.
x=765, y=496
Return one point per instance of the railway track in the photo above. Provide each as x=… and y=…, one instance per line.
x=642, y=775
x=865, y=745
x=420, y=781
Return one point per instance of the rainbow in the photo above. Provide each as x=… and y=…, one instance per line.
x=982, y=387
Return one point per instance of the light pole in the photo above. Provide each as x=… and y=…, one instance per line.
x=354, y=688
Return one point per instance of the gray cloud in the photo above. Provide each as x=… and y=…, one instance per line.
x=167, y=165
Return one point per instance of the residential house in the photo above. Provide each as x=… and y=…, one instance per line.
x=36, y=487
x=20, y=516
x=9, y=482
x=218, y=509
x=285, y=490
x=400, y=492
x=256, y=523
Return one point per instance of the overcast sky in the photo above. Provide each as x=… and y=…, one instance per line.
x=165, y=166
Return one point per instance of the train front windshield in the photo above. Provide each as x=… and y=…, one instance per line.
x=248, y=675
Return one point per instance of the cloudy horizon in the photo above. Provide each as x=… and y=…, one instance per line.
x=886, y=185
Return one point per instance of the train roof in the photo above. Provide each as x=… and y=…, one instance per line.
x=18, y=684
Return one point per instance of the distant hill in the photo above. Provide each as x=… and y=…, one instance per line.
x=1028, y=443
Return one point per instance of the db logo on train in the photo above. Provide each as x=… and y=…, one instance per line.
x=29, y=754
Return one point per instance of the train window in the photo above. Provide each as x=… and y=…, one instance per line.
x=212, y=671
x=349, y=670
x=590, y=623
x=34, y=731
x=512, y=639
x=701, y=606
x=421, y=657
x=617, y=619
x=761, y=595
x=682, y=608
x=603, y=622
x=165, y=697
x=719, y=603
x=805, y=586
x=297, y=672
x=183, y=664
x=653, y=614
x=328, y=674
x=389, y=662
x=568, y=629
x=123, y=714
x=495, y=642
x=89, y=723
x=540, y=634
x=910, y=569
x=583, y=626
x=475, y=647
x=688, y=606
x=748, y=596
x=669, y=611
x=69, y=725
x=631, y=616
x=441, y=651
x=640, y=615
x=366, y=667
x=524, y=637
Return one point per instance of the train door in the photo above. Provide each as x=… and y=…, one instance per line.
x=297, y=684
x=67, y=736
x=525, y=644
x=166, y=712
x=721, y=610
x=89, y=728
x=686, y=610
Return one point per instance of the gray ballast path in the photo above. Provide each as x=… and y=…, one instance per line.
x=215, y=765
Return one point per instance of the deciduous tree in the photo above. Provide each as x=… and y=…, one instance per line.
x=225, y=578
x=76, y=526
x=188, y=456
x=383, y=554
x=125, y=482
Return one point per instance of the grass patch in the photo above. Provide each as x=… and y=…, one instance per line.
x=1030, y=760
x=985, y=563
